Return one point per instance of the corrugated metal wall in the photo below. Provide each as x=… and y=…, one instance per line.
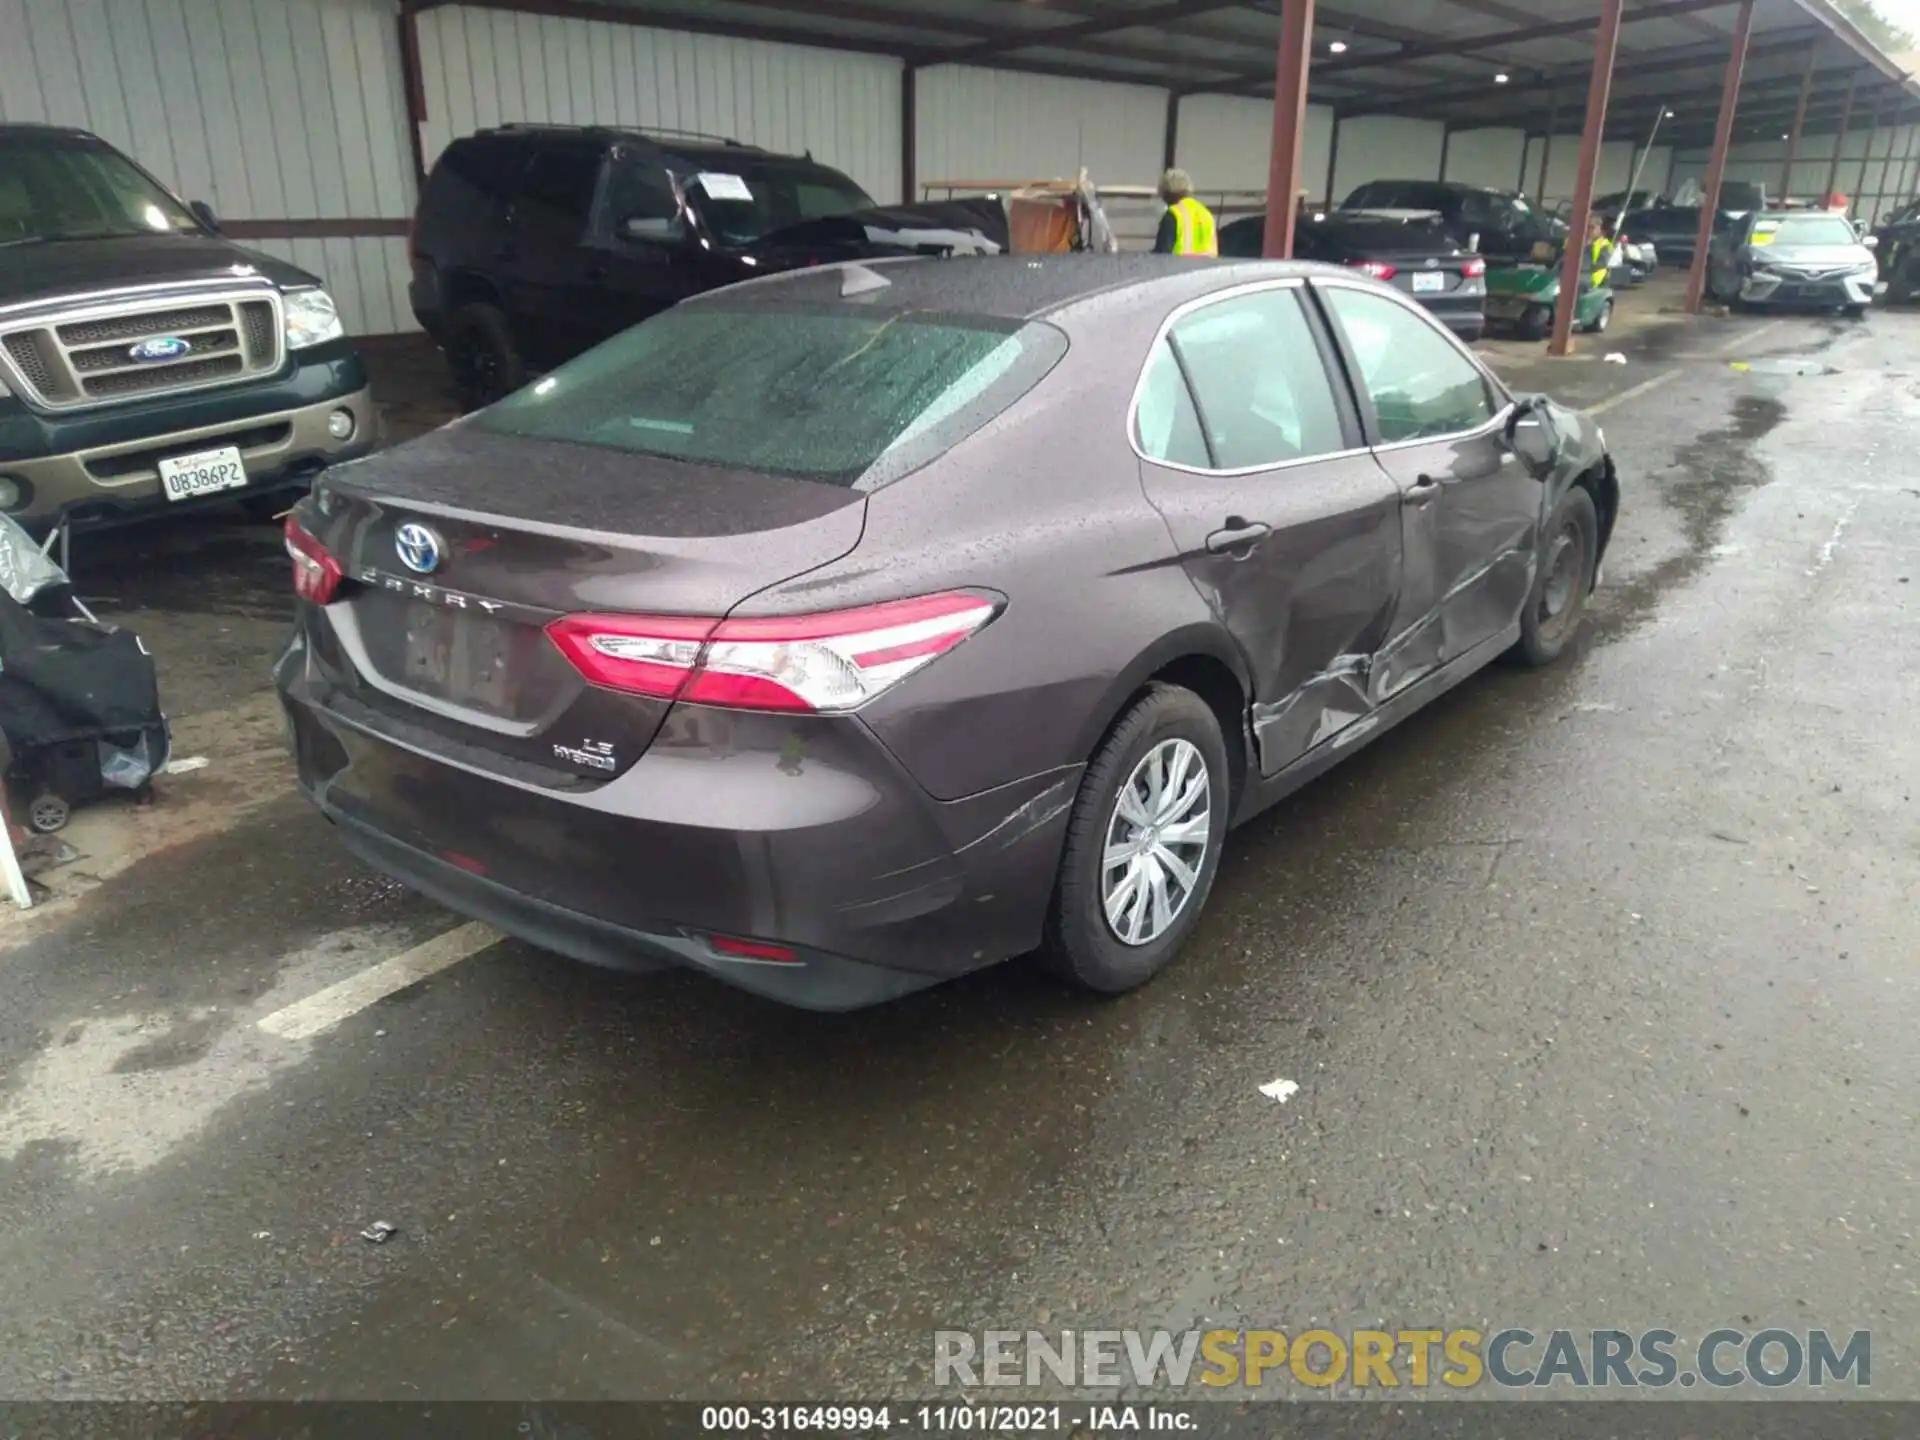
x=1874, y=184
x=1226, y=142
x=483, y=67
x=975, y=124
x=1616, y=164
x=1385, y=147
x=1486, y=157
x=266, y=109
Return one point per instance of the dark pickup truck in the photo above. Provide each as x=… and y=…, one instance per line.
x=147, y=364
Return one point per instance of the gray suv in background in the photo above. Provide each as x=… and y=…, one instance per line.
x=846, y=631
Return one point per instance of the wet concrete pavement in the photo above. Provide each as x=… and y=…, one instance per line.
x=1598, y=985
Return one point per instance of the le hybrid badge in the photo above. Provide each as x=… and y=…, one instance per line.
x=418, y=548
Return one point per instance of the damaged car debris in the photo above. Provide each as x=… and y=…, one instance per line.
x=852, y=630
x=79, y=700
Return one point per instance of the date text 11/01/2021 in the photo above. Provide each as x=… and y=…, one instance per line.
x=949, y=1419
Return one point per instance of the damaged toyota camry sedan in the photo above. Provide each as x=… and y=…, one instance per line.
x=845, y=631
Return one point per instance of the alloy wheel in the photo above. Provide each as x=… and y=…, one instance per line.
x=1156, y=842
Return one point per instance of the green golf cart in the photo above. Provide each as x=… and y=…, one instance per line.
x=1522, y=297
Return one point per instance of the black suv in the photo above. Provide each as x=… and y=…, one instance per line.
x=533, y=243
x=1499, y=224
x=147, y=364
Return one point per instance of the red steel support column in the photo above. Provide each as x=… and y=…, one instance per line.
x=1799, y=123
x=414, y=86
x=1606, y=43
x=1289, y=122
x=1840, y=140
x=1546, y=149
x=1717, y=161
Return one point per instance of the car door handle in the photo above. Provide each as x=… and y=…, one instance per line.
x=1238, y=535
x=1424, y=491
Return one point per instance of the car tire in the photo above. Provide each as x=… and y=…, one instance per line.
x=1562, y=582
x=1536, y=322
x=1854, y=312
x=1167, y=726
x=1598, y=325
x=486, y=364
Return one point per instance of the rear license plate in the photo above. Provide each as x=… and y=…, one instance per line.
x=205, y=472
x=457, y=657
x=1425, y=283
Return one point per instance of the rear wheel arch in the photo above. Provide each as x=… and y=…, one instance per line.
x=466, y=288
x=1199, y=659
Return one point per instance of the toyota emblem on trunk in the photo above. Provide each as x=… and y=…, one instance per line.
x=418, y=548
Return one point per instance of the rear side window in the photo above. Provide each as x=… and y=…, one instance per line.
x=483, y=170
x=1259, y=386
x=1165, y=421
x=838, y=396
x=557, y=192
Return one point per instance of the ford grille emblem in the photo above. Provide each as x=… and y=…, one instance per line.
x=418, y=548
x=160, y=347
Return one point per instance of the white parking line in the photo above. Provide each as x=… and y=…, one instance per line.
x=326, y=1008
x=1631, y=393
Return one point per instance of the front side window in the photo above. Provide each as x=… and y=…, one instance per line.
x=69, y=188
x=829, y=395
x=1259, y=387
x=643, y=203
x=1421, y=386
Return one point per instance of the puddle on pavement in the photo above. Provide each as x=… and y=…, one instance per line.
x=1785, y=365
x=1714, y=471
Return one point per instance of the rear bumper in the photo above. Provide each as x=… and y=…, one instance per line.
x=799, y=832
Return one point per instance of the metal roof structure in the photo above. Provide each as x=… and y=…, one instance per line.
x=1434, y=59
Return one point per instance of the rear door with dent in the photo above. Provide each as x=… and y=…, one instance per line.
x=1287, y=527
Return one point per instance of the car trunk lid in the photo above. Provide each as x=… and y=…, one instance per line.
x=459, y=550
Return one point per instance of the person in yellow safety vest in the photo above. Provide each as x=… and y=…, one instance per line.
x=1599, y=252
x=1187, y=228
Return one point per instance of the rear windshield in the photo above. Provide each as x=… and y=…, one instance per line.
x=1804, y=230
x=1395, y=195
x=835, y=396
x=1379, y=234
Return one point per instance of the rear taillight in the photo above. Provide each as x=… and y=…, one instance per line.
x=1474, y=269
x=809, y=663
x=316, y=574
x=1378, y=269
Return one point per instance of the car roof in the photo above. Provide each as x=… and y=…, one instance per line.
x=690, y=145
x=36, y=130
x=1008, y=287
